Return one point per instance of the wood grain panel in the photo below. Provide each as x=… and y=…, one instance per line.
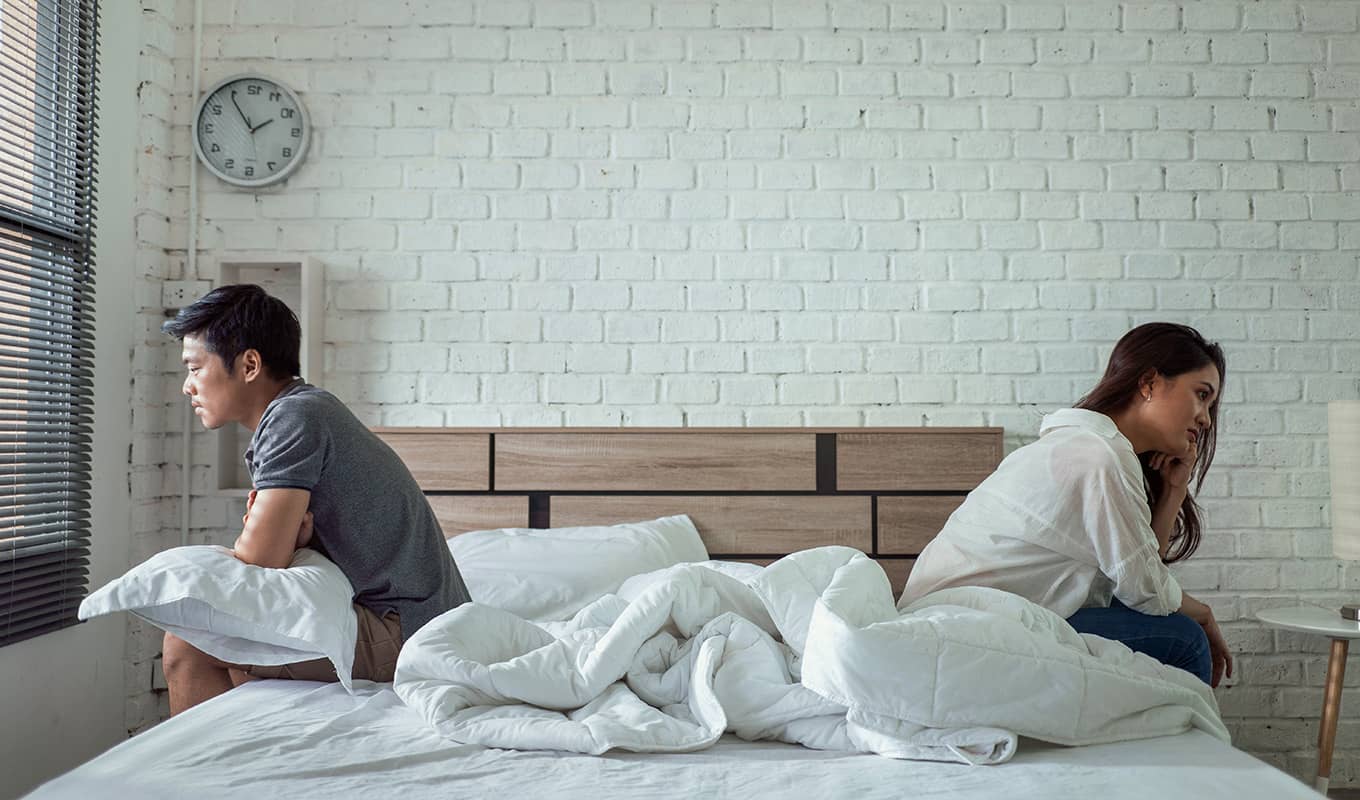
x=445, y=461
x=460, y=513
x=906, y=524
x=735, y=525
x=898, y=569
x=924, y=460
x=634, y=462
x=385, y=429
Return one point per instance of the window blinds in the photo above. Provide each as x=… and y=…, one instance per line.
x=48, y=52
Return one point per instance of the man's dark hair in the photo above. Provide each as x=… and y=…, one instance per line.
x=233, y=319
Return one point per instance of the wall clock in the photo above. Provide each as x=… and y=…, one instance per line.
x=250, y=130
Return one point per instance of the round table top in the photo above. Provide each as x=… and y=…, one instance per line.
x=1312, y=619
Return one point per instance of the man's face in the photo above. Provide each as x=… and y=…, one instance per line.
x=216, y=394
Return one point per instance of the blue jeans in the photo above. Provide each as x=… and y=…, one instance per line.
x=1175, y=640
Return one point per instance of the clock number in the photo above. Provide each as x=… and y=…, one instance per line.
x=220, y=147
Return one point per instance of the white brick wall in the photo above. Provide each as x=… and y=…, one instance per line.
x=789, y=212
x=154, y=443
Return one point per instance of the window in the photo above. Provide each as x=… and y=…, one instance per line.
x=47, y=130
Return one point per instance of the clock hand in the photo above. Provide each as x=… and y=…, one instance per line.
x=261, y=125
x=238, y=109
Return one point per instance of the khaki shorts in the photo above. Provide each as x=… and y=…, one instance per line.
x=375, y=653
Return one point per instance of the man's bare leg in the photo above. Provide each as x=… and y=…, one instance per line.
x=192, y=675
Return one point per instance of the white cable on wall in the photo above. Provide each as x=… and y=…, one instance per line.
x=191, y=271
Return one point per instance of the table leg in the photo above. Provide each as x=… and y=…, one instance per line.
x=1331, y=709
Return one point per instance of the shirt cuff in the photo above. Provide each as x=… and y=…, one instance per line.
x=1173, y=593
x=282, y=484
x=1162, y=593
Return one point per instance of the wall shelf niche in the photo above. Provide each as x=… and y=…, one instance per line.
x=299, y=283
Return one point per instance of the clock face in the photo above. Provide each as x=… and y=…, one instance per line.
x=251, y=131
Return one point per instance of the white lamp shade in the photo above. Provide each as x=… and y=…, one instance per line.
x=1343, y=444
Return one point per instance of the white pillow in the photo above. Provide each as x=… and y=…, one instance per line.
x=238, y=612
x=549, y=574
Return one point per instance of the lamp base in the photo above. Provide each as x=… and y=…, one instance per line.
x=1351, y=612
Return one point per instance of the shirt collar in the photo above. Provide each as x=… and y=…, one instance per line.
x=293, y=386
x=1080, y=418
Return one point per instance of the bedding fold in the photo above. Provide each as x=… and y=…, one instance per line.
x=811, y=650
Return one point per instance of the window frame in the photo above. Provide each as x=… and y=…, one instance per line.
x=46, y=310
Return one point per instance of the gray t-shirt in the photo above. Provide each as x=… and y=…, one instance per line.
x=368, y=514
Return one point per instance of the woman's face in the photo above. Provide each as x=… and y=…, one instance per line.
x=1176, y=410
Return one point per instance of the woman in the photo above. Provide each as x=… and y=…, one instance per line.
x=1085, y=520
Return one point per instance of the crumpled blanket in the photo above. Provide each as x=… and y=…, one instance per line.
x=811, y=651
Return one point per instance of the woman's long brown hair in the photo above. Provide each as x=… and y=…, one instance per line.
x=1168, y=350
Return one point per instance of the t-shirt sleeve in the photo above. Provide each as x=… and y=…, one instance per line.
x=1117, y=516
x=290, y=448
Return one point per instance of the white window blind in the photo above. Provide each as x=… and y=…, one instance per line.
x=48, y=53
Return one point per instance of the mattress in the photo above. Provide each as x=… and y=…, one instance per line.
x=280, y=739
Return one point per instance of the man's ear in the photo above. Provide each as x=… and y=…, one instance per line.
x=252, y=366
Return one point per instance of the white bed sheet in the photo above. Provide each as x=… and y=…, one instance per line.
x=280, y=739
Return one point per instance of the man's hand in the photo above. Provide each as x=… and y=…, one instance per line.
x=304, y=531
x=276, y=523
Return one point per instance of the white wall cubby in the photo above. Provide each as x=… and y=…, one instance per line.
x=299, y=284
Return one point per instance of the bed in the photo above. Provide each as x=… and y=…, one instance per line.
x=754, y=495
x=274, y=739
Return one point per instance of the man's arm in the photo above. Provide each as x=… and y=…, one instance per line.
x=274, y=523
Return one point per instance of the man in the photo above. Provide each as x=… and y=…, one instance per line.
x=320, y=479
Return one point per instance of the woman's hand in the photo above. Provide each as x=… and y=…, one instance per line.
x=1175, y=470
x=1218, y=646
x=1218, y=651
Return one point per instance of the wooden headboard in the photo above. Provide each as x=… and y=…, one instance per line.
x=755, y=494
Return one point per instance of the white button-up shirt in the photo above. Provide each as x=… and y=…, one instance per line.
x=1064, y=522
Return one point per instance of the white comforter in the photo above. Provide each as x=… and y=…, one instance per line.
x=811, y=650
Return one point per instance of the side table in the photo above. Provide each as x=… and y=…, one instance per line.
x=1322, y=622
